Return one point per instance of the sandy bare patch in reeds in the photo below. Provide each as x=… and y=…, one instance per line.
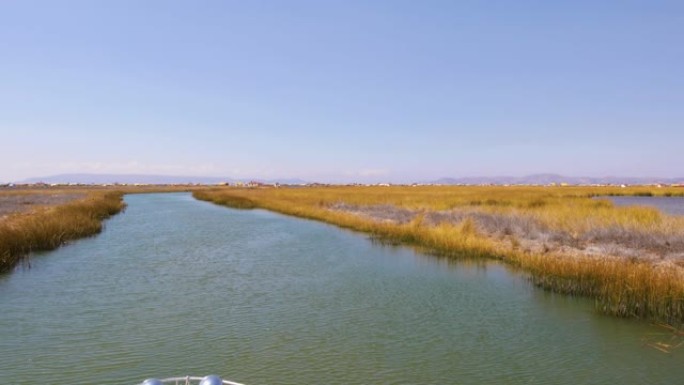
x=533, y=235
x=20, y=203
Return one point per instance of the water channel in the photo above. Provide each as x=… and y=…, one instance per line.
x=176, y=286
x=668, y=205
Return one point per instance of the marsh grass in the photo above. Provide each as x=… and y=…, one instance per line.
x=498, y=223
x=12, y=202
x=46, y=228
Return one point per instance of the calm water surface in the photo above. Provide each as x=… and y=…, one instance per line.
x=175, y=286
x=668, y=205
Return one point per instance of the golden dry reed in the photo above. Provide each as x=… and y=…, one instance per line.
x=49, y=227
x=626, y=287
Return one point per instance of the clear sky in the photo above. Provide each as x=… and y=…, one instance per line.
x=342, y=90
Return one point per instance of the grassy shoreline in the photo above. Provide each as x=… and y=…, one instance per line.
x=48, y=227
x=43, y=218
x=622, y=284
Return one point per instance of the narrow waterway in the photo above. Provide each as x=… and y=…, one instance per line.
x=175, y=286
x=668, y=205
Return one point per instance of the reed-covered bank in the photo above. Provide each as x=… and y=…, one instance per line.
x=47, y=227
x=629, y=259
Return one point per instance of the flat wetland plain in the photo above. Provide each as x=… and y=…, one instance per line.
x=176, y=286
x=567, y=239
x=629, y=259
x=24, y=201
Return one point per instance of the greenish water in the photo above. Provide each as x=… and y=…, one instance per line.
x=176, y=286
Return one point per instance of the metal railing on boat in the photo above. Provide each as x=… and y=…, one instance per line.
x=189, y=380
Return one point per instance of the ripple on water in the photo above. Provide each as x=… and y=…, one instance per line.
x=175, y=286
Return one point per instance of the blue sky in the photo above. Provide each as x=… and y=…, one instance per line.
x=342, y=91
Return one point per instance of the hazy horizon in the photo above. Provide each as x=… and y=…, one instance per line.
x=353, y=91
x=86, y=178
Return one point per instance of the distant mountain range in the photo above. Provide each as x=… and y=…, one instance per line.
x=536, y=179
x=545, y=179
x=146, y=179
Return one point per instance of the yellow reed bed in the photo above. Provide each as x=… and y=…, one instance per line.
x=47, y=227
x=568, y=241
